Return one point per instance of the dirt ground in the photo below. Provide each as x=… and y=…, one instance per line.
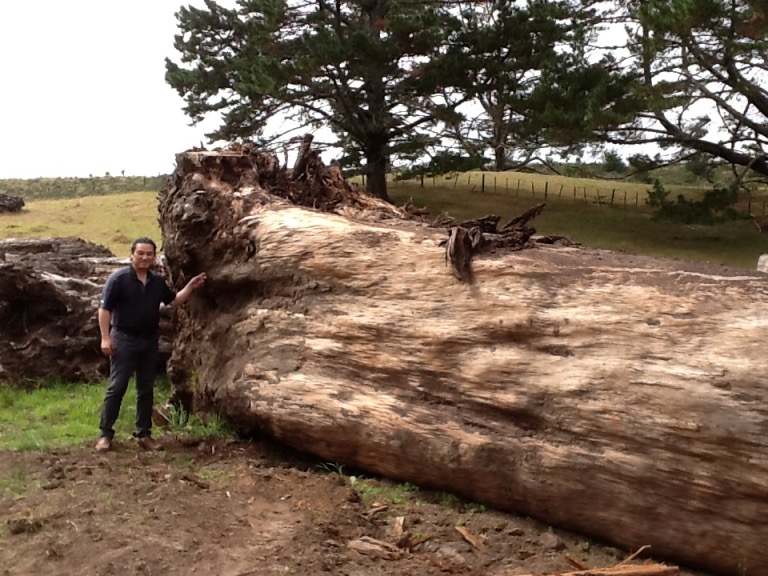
x=236, y=508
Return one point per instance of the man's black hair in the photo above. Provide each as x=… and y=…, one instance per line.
x=144, y=240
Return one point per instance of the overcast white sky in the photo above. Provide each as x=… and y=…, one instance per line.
x=83, y=89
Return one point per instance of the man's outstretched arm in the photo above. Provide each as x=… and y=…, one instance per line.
x=184, y=294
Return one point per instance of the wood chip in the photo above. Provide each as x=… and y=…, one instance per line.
x=376, y=510
x=398, y=529
x=189, y=477
x=372, y=547
x=575, y=563
x=471, y=538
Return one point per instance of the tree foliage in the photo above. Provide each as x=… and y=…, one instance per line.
x=613, y=162
x=530, y=80
x=366, y=69
x=699, y=66
x=717, y=205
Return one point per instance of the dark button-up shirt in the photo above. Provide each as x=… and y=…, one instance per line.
x=135, y=306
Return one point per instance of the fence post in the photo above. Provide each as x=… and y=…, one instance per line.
x=574, y=192
x=422, y=179
x=482, y=182
x=455, y=180
x=625, y=199
x=585, y=194
x=637, y=199
x=533, y=191
x=546, y=188
x=494, y=184
x=469, y=179
x=560, y=194
x=506, y=185
x=599, y=199
x=613, y=195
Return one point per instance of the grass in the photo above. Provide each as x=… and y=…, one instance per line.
x=57, y=415
x=113, y=221
x=397, y=494
x=68, y=415
x=15, y=482
x=205, y=427
x=734, y=243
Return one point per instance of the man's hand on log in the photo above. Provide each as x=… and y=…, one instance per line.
x=184, y=294
x=197, y=281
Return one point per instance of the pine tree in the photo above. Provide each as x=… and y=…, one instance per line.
x=366, y=69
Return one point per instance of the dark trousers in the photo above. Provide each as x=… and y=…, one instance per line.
x=131, y=355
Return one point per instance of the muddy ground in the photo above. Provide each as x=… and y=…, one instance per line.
x=236, y=508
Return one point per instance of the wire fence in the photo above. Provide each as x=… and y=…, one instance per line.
x=625, y=195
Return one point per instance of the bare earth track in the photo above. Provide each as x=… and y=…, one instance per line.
x=234, y=508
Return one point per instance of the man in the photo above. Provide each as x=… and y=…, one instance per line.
x=129, y=317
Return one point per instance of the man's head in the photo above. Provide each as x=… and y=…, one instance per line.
x=143, y=251
x=143, y=240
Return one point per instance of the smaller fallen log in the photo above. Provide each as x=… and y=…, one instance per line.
x=10, y=204
x=49, y=293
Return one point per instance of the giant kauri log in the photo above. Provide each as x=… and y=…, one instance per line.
x=620, y=396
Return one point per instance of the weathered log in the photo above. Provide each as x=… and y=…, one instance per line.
x=49, y=291
x=11, y=203
x=619, y=396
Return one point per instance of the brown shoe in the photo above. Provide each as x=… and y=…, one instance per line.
x=149, y=444
x=104, y=444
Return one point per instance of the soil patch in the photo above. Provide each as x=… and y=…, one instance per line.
x=235, y=508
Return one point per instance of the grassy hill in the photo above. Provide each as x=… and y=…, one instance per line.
x=596, y=213
x=113, y=220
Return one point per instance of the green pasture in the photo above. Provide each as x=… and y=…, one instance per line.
x=599, y=225
x=63, y=414
x=112, y=220
x=596, y=213
x=617, y=193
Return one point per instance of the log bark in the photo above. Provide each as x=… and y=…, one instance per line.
x=49, y=292
x=618, y=396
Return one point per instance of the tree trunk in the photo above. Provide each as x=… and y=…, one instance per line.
x=376, y=167
x=619, y=396
x=500, y=155
x=49, y=293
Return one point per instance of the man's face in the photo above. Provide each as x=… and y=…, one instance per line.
x=143, y=257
